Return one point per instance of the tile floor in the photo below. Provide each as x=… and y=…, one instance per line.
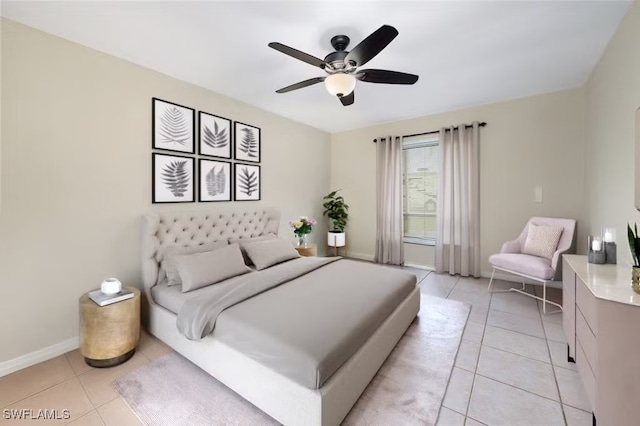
x=510, y=370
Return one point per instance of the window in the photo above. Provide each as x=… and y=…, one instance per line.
x=420, y=183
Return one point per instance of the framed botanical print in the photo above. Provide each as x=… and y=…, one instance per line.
x=247, y=142
x=173, y=179
x=214, y=180
x=247, y=180
x=173, y=127
x=214, y=135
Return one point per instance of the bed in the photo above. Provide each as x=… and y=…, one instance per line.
x=304, y=372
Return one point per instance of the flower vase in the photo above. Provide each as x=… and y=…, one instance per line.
x=302, y=240
x=635, y=279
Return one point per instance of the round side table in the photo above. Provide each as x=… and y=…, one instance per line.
x=308, y=250
x=109, y=334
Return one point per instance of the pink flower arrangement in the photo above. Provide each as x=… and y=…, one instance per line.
x=303, y=226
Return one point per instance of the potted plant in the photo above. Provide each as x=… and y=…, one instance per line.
x=338, y=213
x=634, y=245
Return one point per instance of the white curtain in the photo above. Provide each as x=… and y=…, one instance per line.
x=458, y=218
x=389, y=230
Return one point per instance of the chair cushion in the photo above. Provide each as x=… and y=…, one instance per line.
x=533, y=266
x=542, y=240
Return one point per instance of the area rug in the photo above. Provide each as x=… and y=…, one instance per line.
x=408, y=389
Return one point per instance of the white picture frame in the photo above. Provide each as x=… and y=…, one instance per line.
x=214, y=135
x=214, y=180
x=247, y=142
x=247, y=182
x=173, y=178
x=173, y=127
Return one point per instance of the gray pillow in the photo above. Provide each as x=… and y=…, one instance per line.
x=267, y=253
x=170, y=253
x=243, y=242
x=202, y=269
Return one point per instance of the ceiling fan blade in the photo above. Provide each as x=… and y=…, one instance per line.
x=384, y=76
x=294, y=53
x=348, y=100
x=301, y=84
x=371, y=46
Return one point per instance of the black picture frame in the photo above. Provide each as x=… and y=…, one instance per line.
x=164, y=174
x=208, y=178
x=210, y=134
x=248, y=149
x=243, y=179
x=173, y=127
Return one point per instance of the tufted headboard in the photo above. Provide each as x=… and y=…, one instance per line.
x=194, y=228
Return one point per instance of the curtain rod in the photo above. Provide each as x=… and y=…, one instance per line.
x=468, y=126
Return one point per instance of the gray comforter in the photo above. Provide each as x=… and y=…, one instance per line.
x=303, y=318
x=198, y=316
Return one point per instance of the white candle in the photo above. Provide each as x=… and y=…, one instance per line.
x=596, y=245
x=608, y=237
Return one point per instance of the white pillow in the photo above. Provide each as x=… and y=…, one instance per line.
x=168, y=264
x=202, y=269
x=542, y=240
x=269, y=252
x=243, y=242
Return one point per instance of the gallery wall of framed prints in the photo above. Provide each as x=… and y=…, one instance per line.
x=228, y=156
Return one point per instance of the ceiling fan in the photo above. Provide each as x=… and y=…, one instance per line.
x=342, y=65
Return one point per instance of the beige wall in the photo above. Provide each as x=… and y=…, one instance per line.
x=528, y=142
x=613, y=96
x=76, y=176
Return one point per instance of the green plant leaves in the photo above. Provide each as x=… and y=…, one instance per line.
x=336, y=210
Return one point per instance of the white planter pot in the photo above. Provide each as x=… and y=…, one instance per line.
x=336, y=239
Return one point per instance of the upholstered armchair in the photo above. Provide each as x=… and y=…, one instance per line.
x=541, y=269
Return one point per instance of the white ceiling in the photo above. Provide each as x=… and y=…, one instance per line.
x=466, y=53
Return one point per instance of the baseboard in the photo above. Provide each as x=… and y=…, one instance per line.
x=361, y=256
x=417, y=266
x=369, y=257
x=35, y=357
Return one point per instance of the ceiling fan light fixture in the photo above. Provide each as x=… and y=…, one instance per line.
x=340, y=84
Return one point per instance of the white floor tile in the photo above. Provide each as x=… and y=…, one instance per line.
x=577, y=417
x=515, y=370
x=554, y=332
x=449, y=418
x=471, y=297
x=473, y=332
x=478, y=314
x=459, y=390
x=495, y=403
x=517, y=343
x=471, y=422
x=559, y=355
x=467, y=358
x=515, y=303
x=522, y=324
x=571, y=389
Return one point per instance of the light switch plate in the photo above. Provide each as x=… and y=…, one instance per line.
x=539, y=194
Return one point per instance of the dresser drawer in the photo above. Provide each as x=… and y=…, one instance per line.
x=587, y=341
x=586, y=302
x=569, y=306
x=588, y=379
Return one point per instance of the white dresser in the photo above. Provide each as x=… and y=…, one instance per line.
x=601, y=319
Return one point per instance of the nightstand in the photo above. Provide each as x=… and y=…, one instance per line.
x=109, y=334
x=308, y=250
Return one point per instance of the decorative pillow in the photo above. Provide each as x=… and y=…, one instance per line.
x=269, y=252
x=542, y=240
x=168, y=263
x=202, y=269
x=243, y=242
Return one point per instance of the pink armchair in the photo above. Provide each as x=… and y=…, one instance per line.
x=512, y=260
